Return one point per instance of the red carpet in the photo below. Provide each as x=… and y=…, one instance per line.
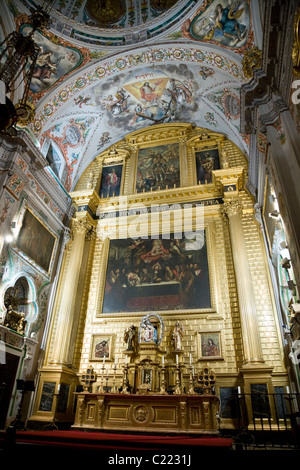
x=113, y=441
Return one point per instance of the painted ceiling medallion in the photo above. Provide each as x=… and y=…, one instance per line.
x=105, y=12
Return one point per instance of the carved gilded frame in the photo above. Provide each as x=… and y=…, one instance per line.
x=212, y=274
x=114, y=156
x=204, y=141
x=207, y=351
x=153, y=145
x=98, y=353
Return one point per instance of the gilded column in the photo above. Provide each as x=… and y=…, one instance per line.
x=79, y=229
x=248, y=315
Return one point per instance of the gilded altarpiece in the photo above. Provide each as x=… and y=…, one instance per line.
x=137, y=231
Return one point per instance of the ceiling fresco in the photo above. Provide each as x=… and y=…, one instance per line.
x=89, y=98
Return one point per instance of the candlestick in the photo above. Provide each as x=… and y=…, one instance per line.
x=163, y=381
x=191, y=389
x=190, y=358
x=125, y=379
x=177, y=387
x=104, y=359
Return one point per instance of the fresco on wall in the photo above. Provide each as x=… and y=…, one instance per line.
x=158, y=167
x=55, y=61
x=222, y=22
x=156, y=274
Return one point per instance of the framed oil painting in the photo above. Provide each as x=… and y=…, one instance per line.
x=36, y=241
x=210, y=345
x=206, y=162
x=101, y=347
x=157, y=274
x=111, y=180
x=158, y=168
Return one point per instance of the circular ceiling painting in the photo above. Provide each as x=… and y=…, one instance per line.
x=106, y=12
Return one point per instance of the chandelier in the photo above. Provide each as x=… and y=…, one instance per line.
x=17, y=62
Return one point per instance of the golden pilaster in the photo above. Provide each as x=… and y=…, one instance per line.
x=80, y=227
x=250, y=331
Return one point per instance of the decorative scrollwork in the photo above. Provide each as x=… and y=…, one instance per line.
x=251, y=61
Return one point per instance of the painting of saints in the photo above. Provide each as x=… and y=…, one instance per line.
x=102, y=349
x=206, y=162
x=210, y=345
x=110, y=181
x=158, y=167
x=156, y=274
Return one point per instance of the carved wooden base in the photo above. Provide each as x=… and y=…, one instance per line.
x=147, y=413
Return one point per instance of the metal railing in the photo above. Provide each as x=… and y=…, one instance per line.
x=266, y=420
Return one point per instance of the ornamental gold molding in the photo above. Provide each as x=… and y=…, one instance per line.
x=81, y=225
x=87, y=198
x=233, y=207
x=296, y=44
x=251, y=61
x=157, y=133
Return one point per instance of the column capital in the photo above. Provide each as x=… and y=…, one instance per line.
x=232, y=207
x=81, y=225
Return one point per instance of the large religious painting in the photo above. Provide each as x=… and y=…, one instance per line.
x=158, y=168
x=36, y=241
x=206, y=162
x=222, y=22
x=157, y=274
x=111, y=181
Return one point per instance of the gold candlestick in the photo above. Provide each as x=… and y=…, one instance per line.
x=177, y=388
x=191, y=389
x=162, y=390
x=125, y=380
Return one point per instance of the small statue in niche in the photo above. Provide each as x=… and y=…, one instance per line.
x=130, y=338
x=177, y=335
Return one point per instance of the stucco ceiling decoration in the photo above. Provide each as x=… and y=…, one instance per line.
x=86, y=100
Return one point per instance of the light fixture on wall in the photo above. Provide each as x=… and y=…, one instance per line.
x=18, y=58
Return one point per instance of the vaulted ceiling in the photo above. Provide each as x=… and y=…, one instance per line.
x=109, y=67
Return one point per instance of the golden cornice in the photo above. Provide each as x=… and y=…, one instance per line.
x=86, y=197
x=229, y=177
x=164, y=196
x=205, y=138
x=113, y=154
x=158, y=133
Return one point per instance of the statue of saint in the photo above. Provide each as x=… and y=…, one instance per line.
x=177, y=336
x=130, y=338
